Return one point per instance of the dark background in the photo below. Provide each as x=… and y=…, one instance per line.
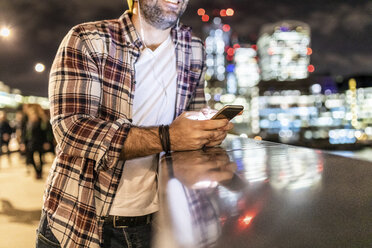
x=341, y=31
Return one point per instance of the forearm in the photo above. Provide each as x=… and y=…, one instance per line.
x=141, y=142
x=185, y=134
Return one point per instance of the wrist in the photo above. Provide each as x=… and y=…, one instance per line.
x=164, y=137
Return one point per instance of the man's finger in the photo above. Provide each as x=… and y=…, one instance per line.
x=228, y=127
x=214, y=124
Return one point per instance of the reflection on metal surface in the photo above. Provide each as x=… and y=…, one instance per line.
x=194, y=218
x=260, y=194
x=192, y=195
x=255, y=165
x=202, y=167
x=289, y=167
x=295, y=169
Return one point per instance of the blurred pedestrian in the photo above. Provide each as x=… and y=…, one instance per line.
x=19, y=127
x=33, y=140
x=46, y=127
x=5, y=133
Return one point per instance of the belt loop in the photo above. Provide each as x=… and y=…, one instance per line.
x=148, y=219
x=114, y=221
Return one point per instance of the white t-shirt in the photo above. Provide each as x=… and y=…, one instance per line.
x=154, y=104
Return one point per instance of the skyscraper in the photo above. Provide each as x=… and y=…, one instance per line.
x=284, y=51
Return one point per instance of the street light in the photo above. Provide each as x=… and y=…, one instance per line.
x=39, y=67
x=5, y=32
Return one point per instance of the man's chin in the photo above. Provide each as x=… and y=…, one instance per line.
x=166, y=24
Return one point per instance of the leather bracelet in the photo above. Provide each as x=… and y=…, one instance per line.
x=161, y=137
x=165, y=138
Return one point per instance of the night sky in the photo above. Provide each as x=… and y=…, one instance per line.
x=341, y=31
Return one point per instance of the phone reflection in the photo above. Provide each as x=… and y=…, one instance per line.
x=192, y=192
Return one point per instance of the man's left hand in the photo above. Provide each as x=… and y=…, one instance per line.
x=216, y=141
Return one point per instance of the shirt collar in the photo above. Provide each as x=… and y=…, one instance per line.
x=130, y=34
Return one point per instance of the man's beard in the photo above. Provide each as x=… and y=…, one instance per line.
x=158, y=18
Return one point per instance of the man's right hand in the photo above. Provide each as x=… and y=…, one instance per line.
x=187, y=134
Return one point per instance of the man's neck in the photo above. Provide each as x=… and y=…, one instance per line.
x=153, y=37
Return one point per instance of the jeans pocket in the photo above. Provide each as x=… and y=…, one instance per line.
x=44, y=242
x=45, y=237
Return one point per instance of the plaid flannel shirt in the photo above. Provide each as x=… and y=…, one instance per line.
x=91, y=91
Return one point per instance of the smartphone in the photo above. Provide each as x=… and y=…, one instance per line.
x=228, y=112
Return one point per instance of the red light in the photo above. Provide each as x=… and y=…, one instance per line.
x=236, y=46
x=309, y=51
x=223, y=12
x=245, y=220
x=230, y=51
x=201, y=11
x=226, y=28
x=229, y=12
x=254, y=47
x=229, y=58
x=311, y=68
x=205, y=18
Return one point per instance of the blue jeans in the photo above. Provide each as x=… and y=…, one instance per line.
x=128, y=237
x=44, y=236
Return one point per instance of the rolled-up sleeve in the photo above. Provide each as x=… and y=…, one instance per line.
x=75, y=92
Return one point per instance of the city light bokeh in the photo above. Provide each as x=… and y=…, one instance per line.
x=5, y=32
x=286, y=98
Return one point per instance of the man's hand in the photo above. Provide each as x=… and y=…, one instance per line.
x=185, y=134
x=218, y=140
x=188, y=134
x=208, y=114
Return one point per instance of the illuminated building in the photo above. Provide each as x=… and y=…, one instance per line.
x=282, y=100
x=284, y=50
x=215, y=44
x=247, y=70
x=248, y=76
x=12, y=98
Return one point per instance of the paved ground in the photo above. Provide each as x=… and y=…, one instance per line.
x=20, y=201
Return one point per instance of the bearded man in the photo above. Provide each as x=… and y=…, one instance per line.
x=121, y=92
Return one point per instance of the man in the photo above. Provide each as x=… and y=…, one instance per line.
x=113, y=85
